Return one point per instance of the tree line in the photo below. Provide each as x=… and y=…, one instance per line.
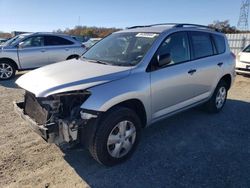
x=88, y=31
x=223, y=26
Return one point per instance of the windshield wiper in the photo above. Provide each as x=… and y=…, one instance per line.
x=96, y=61
x=100, y=62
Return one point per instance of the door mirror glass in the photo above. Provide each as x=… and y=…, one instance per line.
x=20, y=45
x=164, y=59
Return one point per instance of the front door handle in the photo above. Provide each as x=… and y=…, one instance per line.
x=192, y=71
x=43, y=50
x=220, y=64
x=66, y=49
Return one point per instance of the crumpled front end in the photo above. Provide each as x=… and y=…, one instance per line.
x=56, y=118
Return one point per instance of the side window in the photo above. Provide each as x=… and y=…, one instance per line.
x=247, y=49
x=177, y=46
x=219, y=43
x=56, y=41
x=202, y=45
x=36, y=41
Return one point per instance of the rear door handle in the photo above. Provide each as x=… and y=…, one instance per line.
x=43, y=50
x=220, y=64
x=66, y=49
x=192, y=71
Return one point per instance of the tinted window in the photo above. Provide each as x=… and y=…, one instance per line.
x=247, y=49
x=177, y=46
x=219, y=43
x=202, y=45
x=35, y=41
x=54, y=41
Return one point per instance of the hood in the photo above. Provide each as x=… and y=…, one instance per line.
x=69, y=76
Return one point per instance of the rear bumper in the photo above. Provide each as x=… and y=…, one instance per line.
x=47, y=132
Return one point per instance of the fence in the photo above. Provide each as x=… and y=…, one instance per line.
x=238, y=41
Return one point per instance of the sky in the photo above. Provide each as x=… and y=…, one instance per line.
x=49, y=15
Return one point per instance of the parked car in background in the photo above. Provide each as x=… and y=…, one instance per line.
x=127, y=81
x=91, y=42
x=2, y=41
x=243, y=61
x=33, y=50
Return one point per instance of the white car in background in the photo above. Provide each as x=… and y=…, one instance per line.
x=91, y=42
x=243, y=61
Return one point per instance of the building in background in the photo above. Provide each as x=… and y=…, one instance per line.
x=238, y=41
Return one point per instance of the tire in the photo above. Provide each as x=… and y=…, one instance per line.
x=7, y=70
x=109, y=145
x=218, y=99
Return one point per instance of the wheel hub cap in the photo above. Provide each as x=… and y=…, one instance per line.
x=221, y=96
x=121, y=139
x=5, y=71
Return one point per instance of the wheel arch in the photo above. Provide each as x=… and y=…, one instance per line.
x=5, y=59
x=137, y=106
x=72, y=56
x=228, y=79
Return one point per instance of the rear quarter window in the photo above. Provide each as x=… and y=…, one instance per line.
x=219, y=43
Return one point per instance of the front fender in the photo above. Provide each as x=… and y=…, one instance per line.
x=135, y=86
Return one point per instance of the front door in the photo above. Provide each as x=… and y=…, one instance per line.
x=31, y=53
x=172, y=86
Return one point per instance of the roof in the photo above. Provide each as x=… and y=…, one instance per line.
x=44, y=33
x=155, y=29
x=159, y=28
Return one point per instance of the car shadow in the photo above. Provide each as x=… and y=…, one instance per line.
x=190, y=149
x=11, y=83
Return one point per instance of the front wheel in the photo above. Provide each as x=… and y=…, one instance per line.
x=218, y=99
x=116, y=137
x=7, y=71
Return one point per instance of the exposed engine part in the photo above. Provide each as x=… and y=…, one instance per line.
x=68, y=131
x=59, y=116
x=87, y=116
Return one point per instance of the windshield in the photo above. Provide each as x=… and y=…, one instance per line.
x=124, y=49
x=13, y=40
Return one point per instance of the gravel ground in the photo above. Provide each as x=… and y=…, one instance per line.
x=191, y=149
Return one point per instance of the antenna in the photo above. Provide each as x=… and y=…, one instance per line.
x=243, y=19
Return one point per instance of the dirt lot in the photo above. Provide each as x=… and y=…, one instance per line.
x=192, y=149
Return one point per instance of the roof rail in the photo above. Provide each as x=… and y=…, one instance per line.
x=195, y=25
x=176, y=25
x=151, y=25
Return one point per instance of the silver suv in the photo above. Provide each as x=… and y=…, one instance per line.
x=33, y=50
x=126, y=82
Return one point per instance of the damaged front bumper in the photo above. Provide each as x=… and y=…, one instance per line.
x=58, y=119
x=48, y=132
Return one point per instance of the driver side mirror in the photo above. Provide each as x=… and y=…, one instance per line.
x=20, y=45
x=164, y=59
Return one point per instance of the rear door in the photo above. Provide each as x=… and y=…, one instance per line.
x=207, y=61
x=32, y=53
x=58, y=48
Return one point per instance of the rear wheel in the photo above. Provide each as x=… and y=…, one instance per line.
x=7, y=70
x=218, y=100
x=116, y=137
